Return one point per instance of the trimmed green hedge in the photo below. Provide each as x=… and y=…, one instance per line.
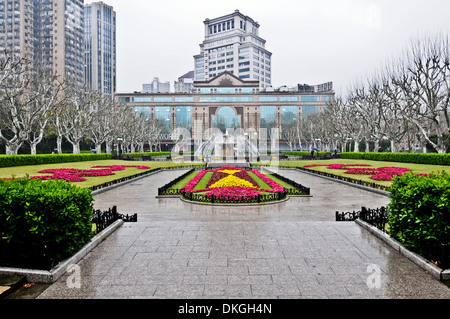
x=22, y=160
x=300, y=153
x=419, y=212
x=417, y=158
x=152, y=154
x=42, y=221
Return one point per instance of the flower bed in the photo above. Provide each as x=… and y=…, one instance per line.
x=78, y=175
x=385, y=173
x=232, y=183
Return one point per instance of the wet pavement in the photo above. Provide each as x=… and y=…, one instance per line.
x=293, y=249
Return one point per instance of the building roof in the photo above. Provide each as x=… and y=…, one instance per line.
x=226, y=79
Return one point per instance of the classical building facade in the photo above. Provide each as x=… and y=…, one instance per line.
x=227, y=102
x=232, y=43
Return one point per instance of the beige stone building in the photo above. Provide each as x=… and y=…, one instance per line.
x=227, y=102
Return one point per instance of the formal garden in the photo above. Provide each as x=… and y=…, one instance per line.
x=47, y=201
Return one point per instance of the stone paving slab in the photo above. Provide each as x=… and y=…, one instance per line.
x=289, y=250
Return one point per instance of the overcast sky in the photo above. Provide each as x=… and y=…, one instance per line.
x=311, y=41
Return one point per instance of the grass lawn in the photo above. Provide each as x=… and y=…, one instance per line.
x=416, y=168
x=33, y=170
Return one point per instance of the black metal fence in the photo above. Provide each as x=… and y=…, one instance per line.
x=168, y=190
x=298, y=189
x=214, y=199
x=376, y=217
x=103, y=219
x=345, y=179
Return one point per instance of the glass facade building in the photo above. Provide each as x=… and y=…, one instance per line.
x=227, y=102
x=100, y=43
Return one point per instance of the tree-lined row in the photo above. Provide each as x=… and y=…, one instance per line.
x=35, y=103
x=406, y=102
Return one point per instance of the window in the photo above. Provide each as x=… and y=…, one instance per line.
x=226, y=118
x=226, y=98
x=162, y=99
x=163, y=115
x=268, y=99
x=288, y=98
x=184, y=99
x=309, y=109
x=183, y=116
x=310, y=99
x=142, y=99
x=144, y=110
x=288, y=118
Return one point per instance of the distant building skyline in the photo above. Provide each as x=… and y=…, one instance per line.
x=185, y=83
x=156, y=86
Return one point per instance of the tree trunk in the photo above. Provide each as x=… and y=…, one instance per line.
x=59, y=144
x=13, y=149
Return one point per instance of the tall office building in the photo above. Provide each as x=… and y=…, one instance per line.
x=100, y=40
x=232, y=43
x=49, y=33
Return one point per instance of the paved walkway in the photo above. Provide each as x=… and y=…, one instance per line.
x=293, y=249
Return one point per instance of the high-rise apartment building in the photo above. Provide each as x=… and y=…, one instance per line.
x=50, y=33
x=59, y=37
x=100, y=54
x=232, y=43
x=17, y=28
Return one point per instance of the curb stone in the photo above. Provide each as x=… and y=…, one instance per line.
x=435, y=271
x=50, y=276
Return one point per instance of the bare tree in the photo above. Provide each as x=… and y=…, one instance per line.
x=27, y=97
x=424, y=79
x=102, y=125
x=75, y=115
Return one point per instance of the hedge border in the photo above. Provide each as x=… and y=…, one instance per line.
x=24, y=160
x=416, y=158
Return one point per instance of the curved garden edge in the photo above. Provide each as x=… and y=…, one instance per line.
x=315, y=173
x=50, y=276
x=435, y=271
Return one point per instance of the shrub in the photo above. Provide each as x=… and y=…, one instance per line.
x=151, y=154
x=419, y=212
x=22, y=160
x=417, y=158
x=37, y=218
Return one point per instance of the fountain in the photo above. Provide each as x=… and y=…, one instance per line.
x=223, y=149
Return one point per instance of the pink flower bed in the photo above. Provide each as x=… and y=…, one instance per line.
x=78, y=175
x=380, y=173
x=232, y=193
